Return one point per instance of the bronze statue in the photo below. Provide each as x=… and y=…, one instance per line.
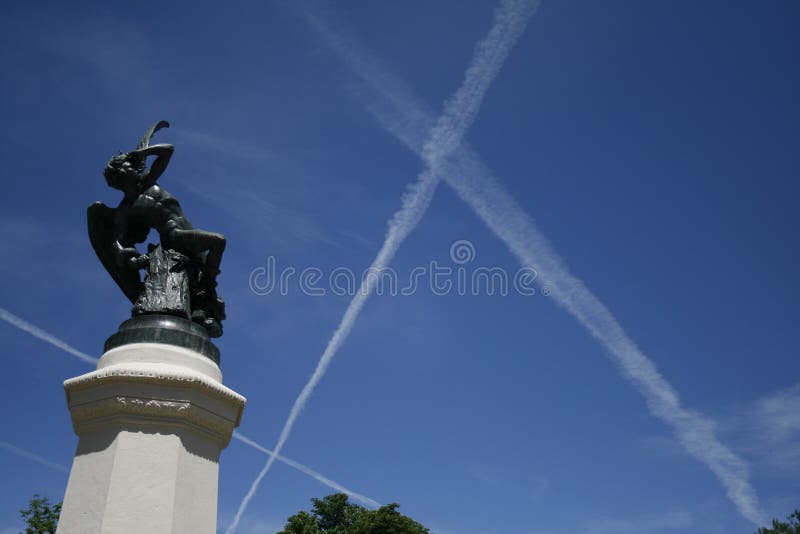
x=181, y=270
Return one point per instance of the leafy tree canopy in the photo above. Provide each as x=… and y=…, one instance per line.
x=334, y=515
x=40, y=517
x=779, y=527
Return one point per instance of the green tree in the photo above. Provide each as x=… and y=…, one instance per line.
x=779, y=527
x=334, y=515
x=40, y=517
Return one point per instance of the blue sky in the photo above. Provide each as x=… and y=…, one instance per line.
x=654, y=144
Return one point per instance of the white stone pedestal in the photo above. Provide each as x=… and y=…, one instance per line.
x=152, y=421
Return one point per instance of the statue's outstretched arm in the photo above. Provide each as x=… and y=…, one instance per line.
x=163, y=153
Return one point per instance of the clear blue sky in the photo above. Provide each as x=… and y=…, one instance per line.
x=654, y=143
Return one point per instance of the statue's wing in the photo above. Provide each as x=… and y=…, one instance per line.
x=138, y=161
x=145, y=141
x=102, y=235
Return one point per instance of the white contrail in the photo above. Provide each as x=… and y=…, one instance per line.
x=35, y=331
x=510, y=20
x=310, y=472
x=49, y=338
x=509, y=222
x=407, y=117
x=31, y=456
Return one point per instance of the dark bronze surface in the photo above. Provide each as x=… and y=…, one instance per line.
x=168, y=329
x=181, y=270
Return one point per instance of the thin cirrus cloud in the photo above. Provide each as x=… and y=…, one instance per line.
x=276, y=223
x=13, y=449
x=224, y=146
x=310, y=472
x=769, y=430
x=406, y=117
x=510, y=20
x=669, y=521
x=38, y=333
x=778, y=414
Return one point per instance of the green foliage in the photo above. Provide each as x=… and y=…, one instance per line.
x=779, y=527
x=40, y=517
x=334, y=515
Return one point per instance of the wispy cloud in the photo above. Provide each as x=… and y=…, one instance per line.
x=407, y=118
x=222, y=145
x=276, y=223
x=778, y=414
x=679, y=519
x=769, y=430
x=37, y=332
x=32, y=456
x=28, y=239
x=510, y=20
x=112, y=46
x=310, y=472
x=512, y=480
x=254, y=525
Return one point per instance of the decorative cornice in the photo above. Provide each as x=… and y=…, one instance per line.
x=148, y=374
x=156, y=395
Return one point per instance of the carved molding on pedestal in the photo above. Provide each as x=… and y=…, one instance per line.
x=150, y=374
x=153, y=395
x=142, y=410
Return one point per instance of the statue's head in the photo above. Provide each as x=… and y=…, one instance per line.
x=124, y=171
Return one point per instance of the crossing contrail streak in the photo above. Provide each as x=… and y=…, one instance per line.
x=510, y=20
x=310, y=472
x=31, y=456
x=37, y=332
x=408, y=118
x=49, y=338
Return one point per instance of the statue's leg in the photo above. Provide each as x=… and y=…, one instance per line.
x=198, y=241
x=208, y=307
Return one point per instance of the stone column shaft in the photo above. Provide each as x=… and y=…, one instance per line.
x=151, y=421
